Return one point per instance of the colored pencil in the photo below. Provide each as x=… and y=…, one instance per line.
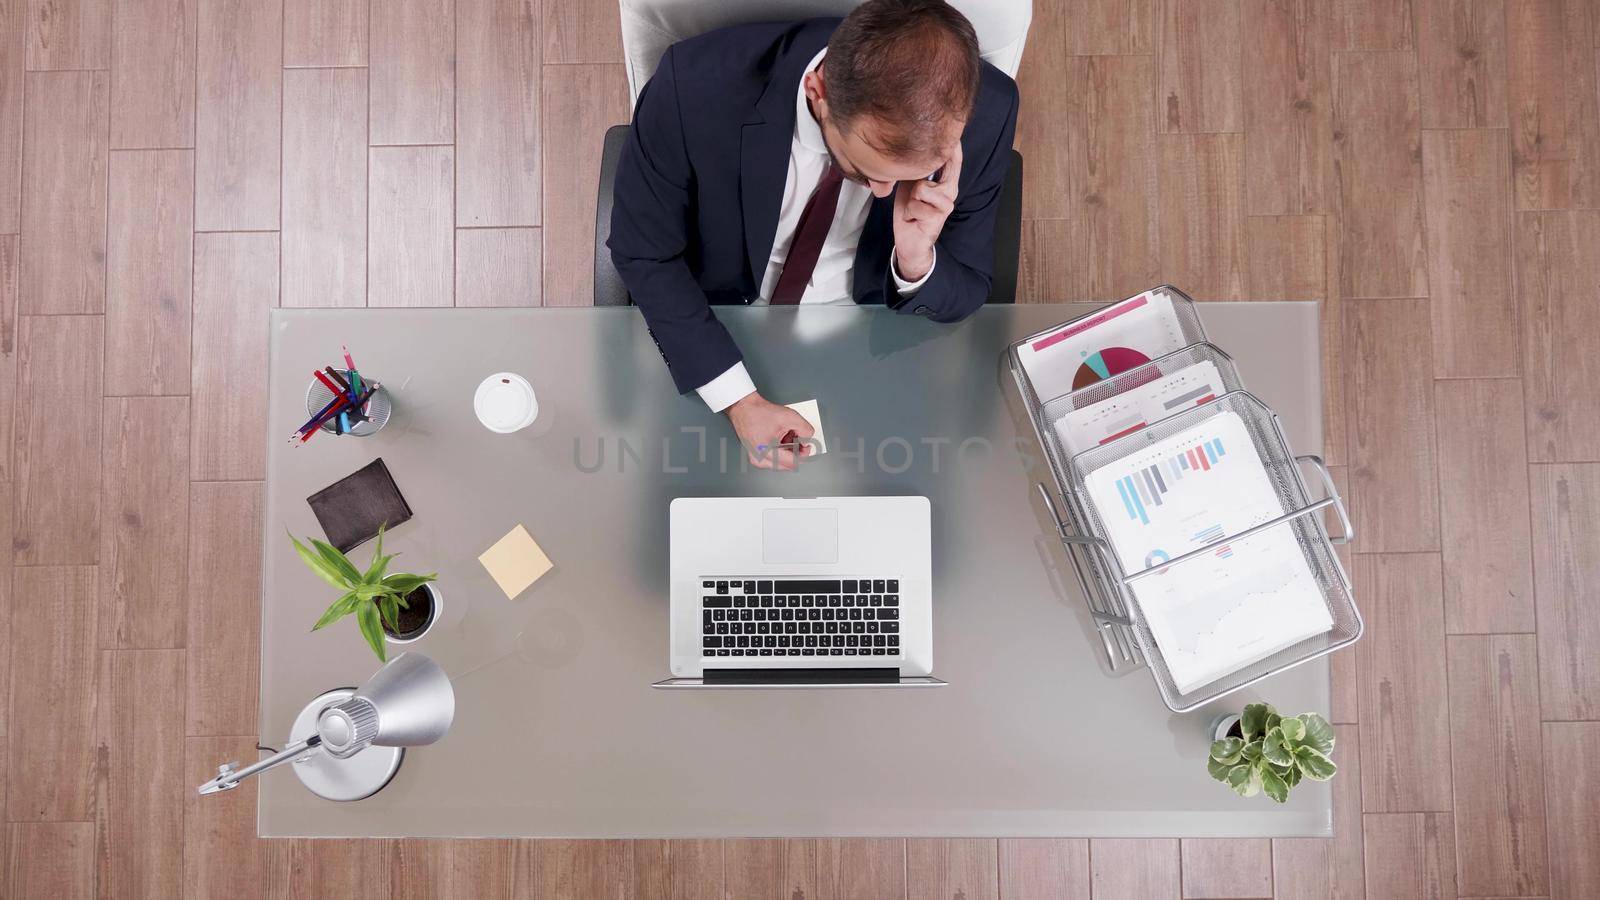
x=328, y=383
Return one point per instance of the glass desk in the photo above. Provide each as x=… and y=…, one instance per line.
x=557, y=730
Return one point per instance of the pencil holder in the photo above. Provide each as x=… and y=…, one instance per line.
x=374, y=412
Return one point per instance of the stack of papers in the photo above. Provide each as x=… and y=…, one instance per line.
x=1114, y=340
x=1243, y=601
x=1140, y=405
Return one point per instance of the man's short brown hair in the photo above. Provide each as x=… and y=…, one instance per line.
x=911, y=65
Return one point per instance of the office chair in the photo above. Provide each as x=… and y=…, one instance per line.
x=649, y=27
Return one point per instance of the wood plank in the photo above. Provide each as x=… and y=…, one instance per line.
x=52, y=859
x=1461, y=55
x=1393, y=450
x=325, y=187
x=1227, y=867
x=413, y=72
x=153, y=73
x=57, y=512
x=6, y=555
x=1344, y=678
x=235, y=284
x=139, y=816
x=1557, y=276
x=52, y=705
x=420, y=869
x=1410, y=855
x=498, y=266
x=1335, y=378
x=1046, y=90
x=221, y=855
x=325, y=32
x=1377, y=164
x=497, y=114
x=861, y=868
x=1114, y=185
x=1405, y=728
x=1573, y=795
x=1497, y=764
x=1566, y=529
x=582, y=31
x=696, y=867
x=411, y=252
x=949, y=867
x=486, y=869
x=563, y=868
x=1142, y=869
x=1110, y=27
x=1483, y=507
x=1372, y=24
x=1199, y=67
x=149, y=272
x=1044, y=869
x=1046, y=270
x=224, y=627
x=1202, y=214
x=652, y=869
x=1322, y=868
x=13, y=59
x=1467, y=186
x=1286, y=259
x=1555, y=122
x=238, y=114
x=69, y=34
x=10, y=291
x=585, y=100
x=64, y=166
x=145, y=522
x=769, y=869
x=346, y=868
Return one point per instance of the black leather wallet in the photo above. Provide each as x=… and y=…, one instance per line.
x=351, y=509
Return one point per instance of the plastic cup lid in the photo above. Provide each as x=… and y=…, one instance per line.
x=505, y=402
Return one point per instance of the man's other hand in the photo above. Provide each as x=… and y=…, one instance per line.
x=920, y=208
x=762, y=426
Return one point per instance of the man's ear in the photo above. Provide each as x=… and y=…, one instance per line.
x=816, y=86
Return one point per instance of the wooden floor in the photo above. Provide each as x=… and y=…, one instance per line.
x=170, y=169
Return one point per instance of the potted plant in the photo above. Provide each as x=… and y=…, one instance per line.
x=1260, y=751
x=398, y=605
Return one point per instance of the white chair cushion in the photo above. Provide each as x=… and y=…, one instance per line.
x=649, y=27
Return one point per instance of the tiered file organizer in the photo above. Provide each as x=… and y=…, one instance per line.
x=1126, y=635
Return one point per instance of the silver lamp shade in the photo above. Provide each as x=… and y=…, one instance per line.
x=408, y=703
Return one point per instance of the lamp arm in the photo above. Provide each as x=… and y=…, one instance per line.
x=228, y=777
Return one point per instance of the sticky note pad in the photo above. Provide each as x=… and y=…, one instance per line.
x=808, y=410
x=515, y=561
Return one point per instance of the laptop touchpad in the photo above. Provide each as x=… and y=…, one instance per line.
x=799, y=536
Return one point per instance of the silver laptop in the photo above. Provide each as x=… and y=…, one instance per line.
x=819, y=592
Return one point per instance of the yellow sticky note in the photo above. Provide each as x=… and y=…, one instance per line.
x=515, y=561
x=809, y=411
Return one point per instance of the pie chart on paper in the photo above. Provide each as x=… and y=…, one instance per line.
x=1106, y=363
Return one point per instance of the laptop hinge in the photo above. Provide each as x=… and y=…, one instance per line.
x=802, y=676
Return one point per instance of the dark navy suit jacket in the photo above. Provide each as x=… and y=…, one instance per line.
x=702, y=176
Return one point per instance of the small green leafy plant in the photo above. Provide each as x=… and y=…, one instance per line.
x=1274, y=754
x=376, y=598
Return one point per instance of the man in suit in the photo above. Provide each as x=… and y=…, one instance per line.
x=826, y=161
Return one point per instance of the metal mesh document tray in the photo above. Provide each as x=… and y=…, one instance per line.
x=1106, y=587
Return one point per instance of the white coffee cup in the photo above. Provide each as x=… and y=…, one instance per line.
x=505, y=402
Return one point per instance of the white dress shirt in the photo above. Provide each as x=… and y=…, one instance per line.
x=832, y=278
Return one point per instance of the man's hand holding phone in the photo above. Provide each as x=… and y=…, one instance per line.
x=920, y=208
x=774, y=436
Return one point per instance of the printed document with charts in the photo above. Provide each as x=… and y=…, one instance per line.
x=1238, y=604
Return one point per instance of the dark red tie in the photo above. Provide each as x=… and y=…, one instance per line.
x=815, y=220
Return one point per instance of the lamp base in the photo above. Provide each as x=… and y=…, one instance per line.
x=354, y=778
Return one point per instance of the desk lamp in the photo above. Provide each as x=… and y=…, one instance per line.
x=347, y=744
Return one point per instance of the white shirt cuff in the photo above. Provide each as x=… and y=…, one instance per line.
x=727, y=389
x=907, y=288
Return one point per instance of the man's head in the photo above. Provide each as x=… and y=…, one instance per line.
x=896, y=90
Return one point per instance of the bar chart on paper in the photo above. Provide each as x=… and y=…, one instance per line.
x=1145, y=488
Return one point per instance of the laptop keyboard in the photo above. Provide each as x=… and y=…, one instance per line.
x=800, y=617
